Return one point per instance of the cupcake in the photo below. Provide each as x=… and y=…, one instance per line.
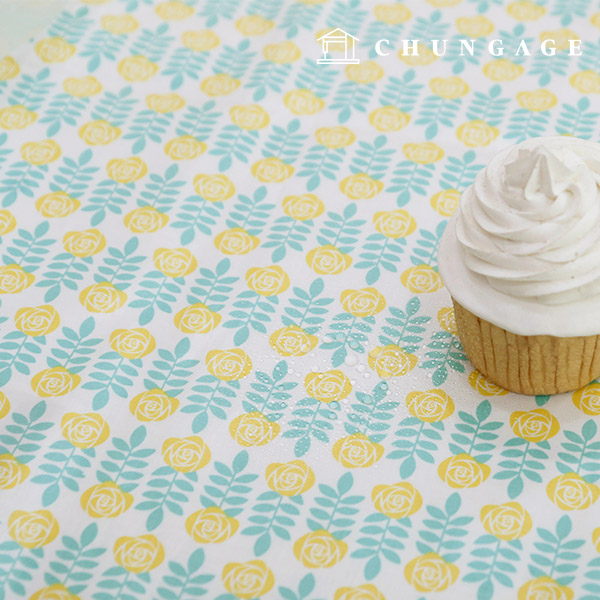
x=521, y=260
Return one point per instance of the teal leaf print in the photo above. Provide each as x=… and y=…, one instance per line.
x=556, y=557
x=590, y=60
x=213, y=288
x=372, y=159
x=234, y=61
x=370, y=415
x=153, y=44
x=475, y=433
x=73, y=176
x=401, y=93
x=17, y=352
x=429, y=28
x=351, y=96
x=185, y=62
x=312, y=420
x=425, y=252
x=321, y=161
x=65, y=465
x=579, y=455
x=484, y=5
x=172, y=372
x=185, y=580
x=577, y=120
x=285, y=233
x=228, y=488
x=341, y=230
x=15, y=569
x=120, y=266
x=125, y=461
x=148, y=125
x=566, y=9
x=32, y=91
x=285, y=143
x=100, y=45
x=524, y=124
x=410, y=177
x=196, y=215
x=305, y=587
x=114, y=108
x=306, y=308
x=28, y=248
x=312, y=76
x=267, y=76
x=404, y=327
x=270, y=521
x=4, y=152
x=161, y=191
x=453, y=55
x=298, y=16
x=24, y=435
x=75, y=561
x=436, y=111
x=65, y=270
x=110, y=196
x=416, y=440
x=490, y=108
x=460, y=173
x=591, y=585
x=380, y=251
x=335, y=509
x=444, y=350
x=347, y=15
x=511, y=42
x=547, y=66
x=76, y=348
x=71, y=26
x=63, y=108
x=379, y=30
x=270, y=393
x=159, y=291
x=22, y=178
x=541, y=400
x=441, y=525
x=124, y=583
x=234, y=142
x=198, y=122
x=213, y=10
x=251, y=214
x=347, y=332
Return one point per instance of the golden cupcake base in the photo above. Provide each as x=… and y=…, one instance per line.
x=528, y=364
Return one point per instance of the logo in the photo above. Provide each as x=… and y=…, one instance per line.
x=338, y=40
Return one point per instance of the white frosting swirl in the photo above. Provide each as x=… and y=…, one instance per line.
x=528, y=230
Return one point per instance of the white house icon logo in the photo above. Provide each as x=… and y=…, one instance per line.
x=338, y=40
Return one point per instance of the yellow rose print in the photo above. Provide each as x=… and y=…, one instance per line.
x=164, y=103
x=319, y=549
x=477, y=133
x=502, y=69
x=184, y=147
x=463, y=471
x=228, y=365
x=54, y=50
x=9, y=68
x=290, y=479
x=82, y=87
x=139, y=554
x=40, y=153
x=391, y=361
x=447, y=320
x=282, y=53
x=32, y=529
x=357, y=451
x=394, y=223
x=211, y=525
x=250, y=117
x=303, y=208
x=484, y=386
x=236, y=241
x=220, y=84
x=153, y=405
x=570, y=491
x=366, y=591
x=271, y=170
x=37, y=321
x=56, y=591
x=119, y=24
x=196, y=318
x=587, y=399
x=56, y=205
x=174, y=10
x=176, y=262
x=105, y=500
x=16, y=117
x=445, y=202
x=102, y=297
x=126, y=170
x=449, y=88
x=586, y=82
x=596, y=538
x=328, y=260
x=421, y=279
x=200, y=41
x=430, y=573
x=538, y=100
x=214, y=188
x=525, y=10
x=365, y=72
x=7, y=222
x=186, y=454
x=474, y=27
x=430, y=406
x=253, y=429
x=365, y=302
x=303, y=102
x=53, y=382
x=84, y=243
x=330, y=386
x=509, y=521
x=398, y=500
x=292, y=341
x=544, y=587
x=360, y=186
x=84, y=430
x=560, y=37
x=388, y=118
x=99, y=133
x=534, y=426
x=267, y=281
x=248, y=580
x=12, y=472
x=392, y=14
x=13, y=279
x=252, y=25
x=137, y=68
x=132, y=343
x=4, y=405
x=424, y=153
x=145, y=219
x=334, y=137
